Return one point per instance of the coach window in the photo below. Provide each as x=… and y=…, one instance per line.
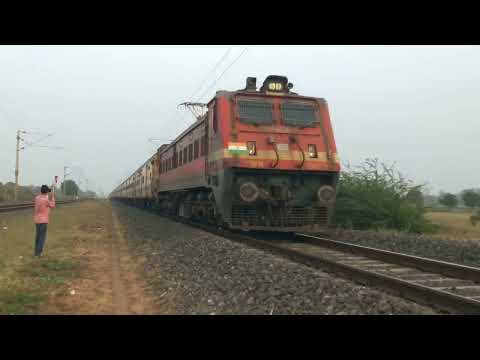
x=180, y=153
x=185, y=160
x=190, y=152
x=195, y=149
x=202, y=146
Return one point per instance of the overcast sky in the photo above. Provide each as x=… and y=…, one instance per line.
x=417, y=106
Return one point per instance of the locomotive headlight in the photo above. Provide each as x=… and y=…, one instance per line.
x=249, y=192
x=312, y=150
x=275, y=86
x=326, y=194
x=252, y=148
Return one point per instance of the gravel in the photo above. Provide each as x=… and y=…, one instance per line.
x=465, y=252
x=190, y=271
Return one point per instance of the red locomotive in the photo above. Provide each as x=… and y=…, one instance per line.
x=257, y=160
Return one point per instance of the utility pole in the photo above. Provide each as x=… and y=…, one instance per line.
x=65, y=174
x=17, y=162
x=17, y=155
x=64, y=180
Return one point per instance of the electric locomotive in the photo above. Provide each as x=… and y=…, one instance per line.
x=261, y=159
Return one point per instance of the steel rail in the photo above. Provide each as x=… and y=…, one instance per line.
x=14, y=207
x=418, y=293
x=436, y=266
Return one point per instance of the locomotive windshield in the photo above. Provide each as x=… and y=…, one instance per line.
x=302, y=115
x=255, y=112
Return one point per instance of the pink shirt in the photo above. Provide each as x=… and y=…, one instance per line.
x=42, y=208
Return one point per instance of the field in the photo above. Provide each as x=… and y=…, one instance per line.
x=83, y=270
x=455, y=225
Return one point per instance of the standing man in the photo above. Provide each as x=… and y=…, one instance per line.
x=42, y=209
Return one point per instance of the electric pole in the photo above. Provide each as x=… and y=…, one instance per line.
x=17, y=162
x=64, y=180
x=17, y=154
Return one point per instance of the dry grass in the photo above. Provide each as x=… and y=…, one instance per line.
x=455, y=225
x=27, y=284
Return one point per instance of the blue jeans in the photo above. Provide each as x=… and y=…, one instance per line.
x=40, y=238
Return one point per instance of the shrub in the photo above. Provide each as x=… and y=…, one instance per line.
x=374, y=195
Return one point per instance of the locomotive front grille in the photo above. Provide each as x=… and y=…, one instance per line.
x=295, y=216
x=244, y=215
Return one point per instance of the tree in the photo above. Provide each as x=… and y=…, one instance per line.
x=69, y=187
x=471, y=198
x=448, y=200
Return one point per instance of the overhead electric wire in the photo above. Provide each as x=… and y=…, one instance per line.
x=224, y=56
x=37, y=141
x=211, y=71
x=177, y=114
x=223, y=73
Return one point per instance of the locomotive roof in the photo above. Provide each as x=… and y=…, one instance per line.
x=244, y=92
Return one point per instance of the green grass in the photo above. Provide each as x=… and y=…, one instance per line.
x=20, y=302
x=27, y=283
x=50, y=270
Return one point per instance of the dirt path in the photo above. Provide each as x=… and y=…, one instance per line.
x=109, y=281
x=119, y=292
x=128, y=288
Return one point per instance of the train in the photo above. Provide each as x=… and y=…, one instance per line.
x=255, y=159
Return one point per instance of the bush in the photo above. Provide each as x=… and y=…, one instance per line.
x=374, y=195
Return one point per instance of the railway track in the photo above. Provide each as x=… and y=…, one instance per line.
x=445, y=286
x=14, y=207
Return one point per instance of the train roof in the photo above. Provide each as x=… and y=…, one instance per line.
x=198, y=122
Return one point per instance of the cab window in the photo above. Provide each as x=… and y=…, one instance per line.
x=302, y=115
x=255, y=112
